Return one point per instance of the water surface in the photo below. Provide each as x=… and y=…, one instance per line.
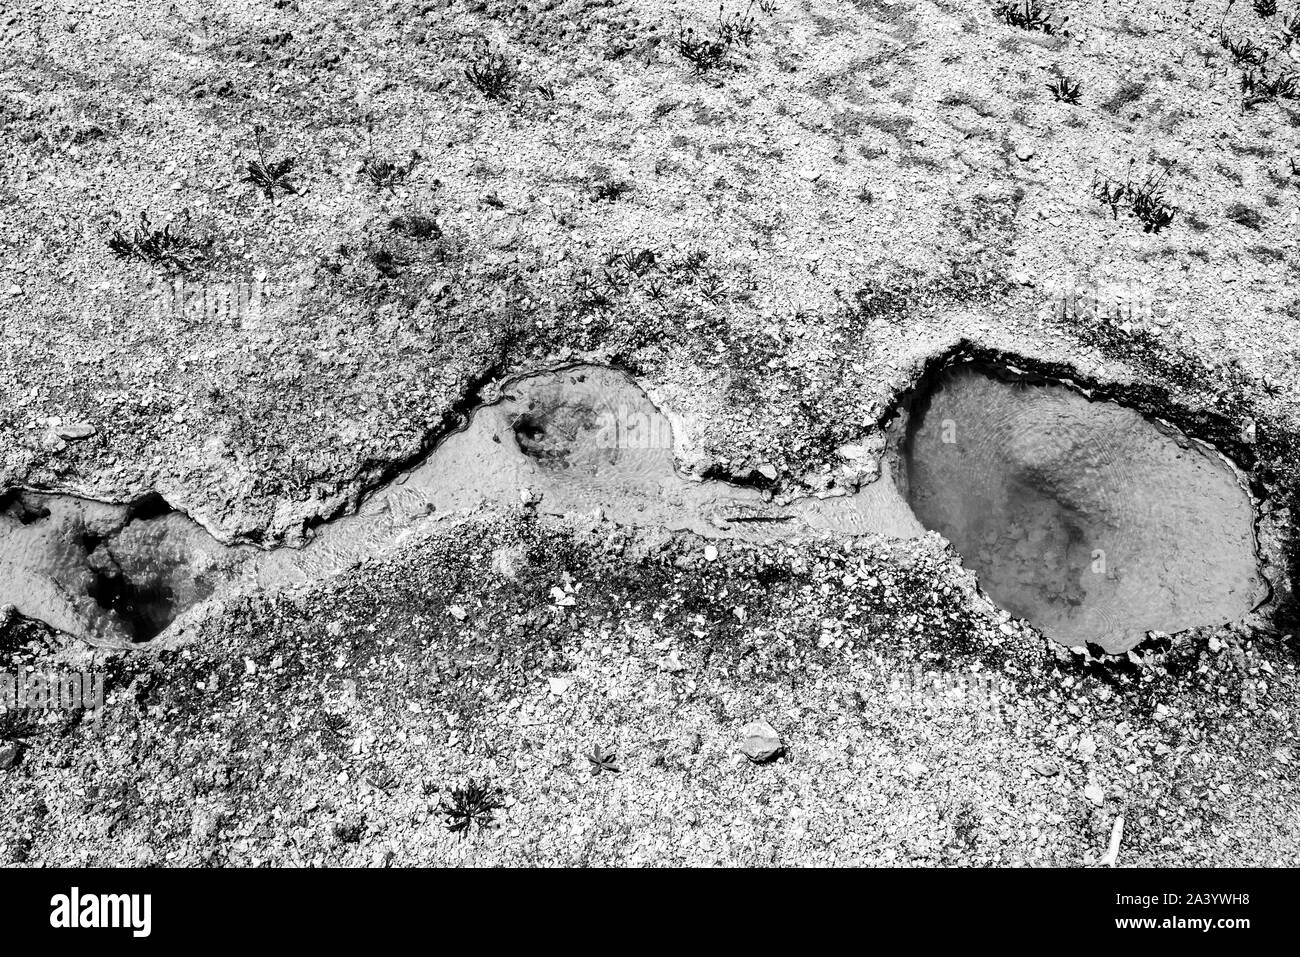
x=1084, y=517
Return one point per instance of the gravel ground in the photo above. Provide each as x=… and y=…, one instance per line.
x=334, y=725
x=862, y=188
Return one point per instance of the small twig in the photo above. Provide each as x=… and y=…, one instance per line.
x=1116, y=834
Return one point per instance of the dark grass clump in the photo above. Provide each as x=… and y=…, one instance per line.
x=158, y=247
x=386, y=174
x=474, y=804
x=493, y=75
x=1257, y=87
x=1028, y=15
x=609, y=190
x=1265, y=8
x=1244, y=52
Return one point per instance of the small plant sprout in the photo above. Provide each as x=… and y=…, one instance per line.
x=601, y=760
x=1265, y=8
x=637, y=262
x=1290, y=30
x=713, y=288
x=474, y=804
x=268, y=175
x=416, y=226
x=1109, y=194
x=1066, y=90
x=387, y=175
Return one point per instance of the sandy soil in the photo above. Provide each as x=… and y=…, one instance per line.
x=858, y=190
x=333, y=726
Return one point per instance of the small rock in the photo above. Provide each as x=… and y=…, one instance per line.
x=558, y=685
x=1087, y=748
x=1094, y=794
x=710, y=553
x=456, y=612
x=9, y=754
x=75, y=431
x=1024, y=152
x=760, y=742
x=672, y=663
x=206, y=823
x=767, y=471
x=1045, y=767
x=809, y=175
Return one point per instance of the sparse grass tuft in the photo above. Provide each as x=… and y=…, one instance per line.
x=1244, y=215
x=1146, y=201
x=1028, y=15
x=709, y=53
x=416, y=226
x=1245, y=51
x=1290, y=29
x=1257, y=87
x=492, y=75
x=1265, y=8
x=158, y=247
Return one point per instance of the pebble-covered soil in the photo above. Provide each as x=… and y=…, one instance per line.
x=534, y=656
x=358, y=216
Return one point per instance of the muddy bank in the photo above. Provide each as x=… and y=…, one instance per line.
x=585, y=439
x=1082, y=516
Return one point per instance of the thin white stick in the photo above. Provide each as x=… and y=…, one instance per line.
x=1116, y=832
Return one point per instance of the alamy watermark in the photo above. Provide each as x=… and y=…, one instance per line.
x=61, y=691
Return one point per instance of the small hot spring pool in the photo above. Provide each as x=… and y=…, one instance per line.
x=1084, y=517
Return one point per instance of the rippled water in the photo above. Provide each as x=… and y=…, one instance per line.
x=1084, y=517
